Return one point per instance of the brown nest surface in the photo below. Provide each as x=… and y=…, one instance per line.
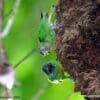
x=78, y=42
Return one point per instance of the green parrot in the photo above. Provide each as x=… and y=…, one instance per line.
x=46, y=34
x=54, y=72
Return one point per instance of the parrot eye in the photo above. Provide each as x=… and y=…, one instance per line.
x=48, y=68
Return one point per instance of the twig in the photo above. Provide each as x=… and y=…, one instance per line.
x=7, y=73
x=8, y=26
x=26, y=57
x=1, y=13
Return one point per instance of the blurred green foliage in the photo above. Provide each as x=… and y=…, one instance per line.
x=32, y=84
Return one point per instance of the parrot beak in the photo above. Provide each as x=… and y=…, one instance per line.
x=46, y=53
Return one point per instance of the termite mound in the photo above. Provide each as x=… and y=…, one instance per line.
x=78, y=42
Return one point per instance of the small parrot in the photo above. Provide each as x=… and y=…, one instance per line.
x=54, y=71
x=46, y=34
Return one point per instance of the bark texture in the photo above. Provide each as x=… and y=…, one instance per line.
x=78, y=42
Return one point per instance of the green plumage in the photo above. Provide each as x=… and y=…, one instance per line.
x=46, y=34
x=44, y=29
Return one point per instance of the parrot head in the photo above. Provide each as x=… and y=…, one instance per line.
x=44, y=51
x=53, y=71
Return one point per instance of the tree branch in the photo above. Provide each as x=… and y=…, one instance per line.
x=8, y=26
x=7, y=73
x=1, y=17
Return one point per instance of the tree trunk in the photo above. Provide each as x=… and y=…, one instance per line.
x=78, y=42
